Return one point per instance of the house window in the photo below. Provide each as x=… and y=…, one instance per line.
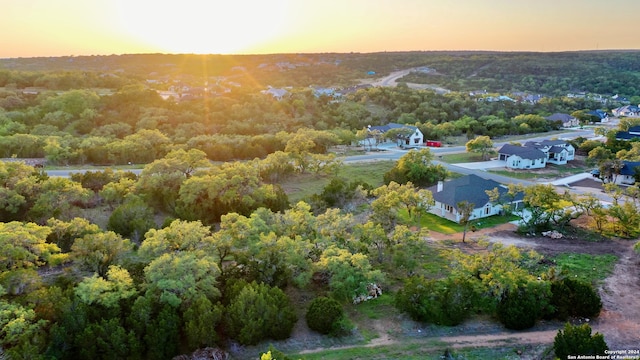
x=416, y=140
x=487, y=209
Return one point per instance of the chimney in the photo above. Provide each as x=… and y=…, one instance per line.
x=440, y=186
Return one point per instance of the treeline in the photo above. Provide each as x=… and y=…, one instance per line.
x=554, y=74
x=79, y=126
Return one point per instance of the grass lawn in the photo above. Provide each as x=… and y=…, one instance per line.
x=444, y=226
x=461, y=158
x=303, y=186
x=586, y=267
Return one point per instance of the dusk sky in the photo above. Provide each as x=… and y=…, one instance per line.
x=102, y=27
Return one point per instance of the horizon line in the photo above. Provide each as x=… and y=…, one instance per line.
x=330, y=52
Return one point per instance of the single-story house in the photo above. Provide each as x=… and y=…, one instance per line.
x=632, y=133
x=409, y=136
x=558, y=151
x=627, y=174
x=522, y=157
x=600, y=114
x=470, y=188
x=627, y=110
x=565, y=119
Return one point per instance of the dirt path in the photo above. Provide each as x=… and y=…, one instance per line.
x=619, y=320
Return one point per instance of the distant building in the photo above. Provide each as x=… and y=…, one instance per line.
x=565, y=119
x=409, y=136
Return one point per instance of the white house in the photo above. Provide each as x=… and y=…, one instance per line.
x=557, y=151
x=627, y=174
x=470, y=188
x=408, y=136
x=522, y=157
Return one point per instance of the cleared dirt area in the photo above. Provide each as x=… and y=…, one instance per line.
x=619, y=320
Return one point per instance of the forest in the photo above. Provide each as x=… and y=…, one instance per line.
x=203, y=248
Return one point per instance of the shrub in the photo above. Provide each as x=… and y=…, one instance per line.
x=577, y=340
x=132, y=219
x=521, y=307
x=325, y=316
x=259, y=312
x=571, y=297
x=444, y=302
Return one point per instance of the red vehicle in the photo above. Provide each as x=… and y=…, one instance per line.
x=432, y=143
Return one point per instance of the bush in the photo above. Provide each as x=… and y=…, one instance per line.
x=132, y=219
x=259, y=312
x=577, y=340
x=520, y=308
x=444, y=302
x=574, y=298
x=325, y=316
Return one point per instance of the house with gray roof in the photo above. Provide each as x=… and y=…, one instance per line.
x=558, y=151
x=565, y=119
x=473, y=189
x=407, y=135
x=522, y=157
x=627, y=110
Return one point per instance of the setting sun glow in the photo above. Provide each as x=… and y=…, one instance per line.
x=95, y=27
x=214, y=27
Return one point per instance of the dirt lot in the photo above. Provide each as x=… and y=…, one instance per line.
x=619, y=320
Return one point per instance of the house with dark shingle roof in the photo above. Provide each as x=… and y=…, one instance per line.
x=558, y=151
x=522, y=157
x=409, y=136
x=470, y=188
x=631, y=134
x=627, y=175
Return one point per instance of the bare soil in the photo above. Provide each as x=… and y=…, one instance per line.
x=619, y=320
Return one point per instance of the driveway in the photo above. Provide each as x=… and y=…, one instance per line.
x=482, y=165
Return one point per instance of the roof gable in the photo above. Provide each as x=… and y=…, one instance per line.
x=525, y=152
x=470, y=188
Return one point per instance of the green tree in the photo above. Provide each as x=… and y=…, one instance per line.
x=259, y=312
x=465, y=209
x=64, y=233
x=574, y=298
x=482, y=145
x=132, y=219
x=21, y=332
x=577, y=340
x=109, y=291
x=325, y=315
x=447, y=301
x=180, y=278
x=97, y=252
x=416, y=166
x=24, y=246
x=179, y=236
x=200, y=322
x=58, y=197
x=349, y=274
x=520, y=307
